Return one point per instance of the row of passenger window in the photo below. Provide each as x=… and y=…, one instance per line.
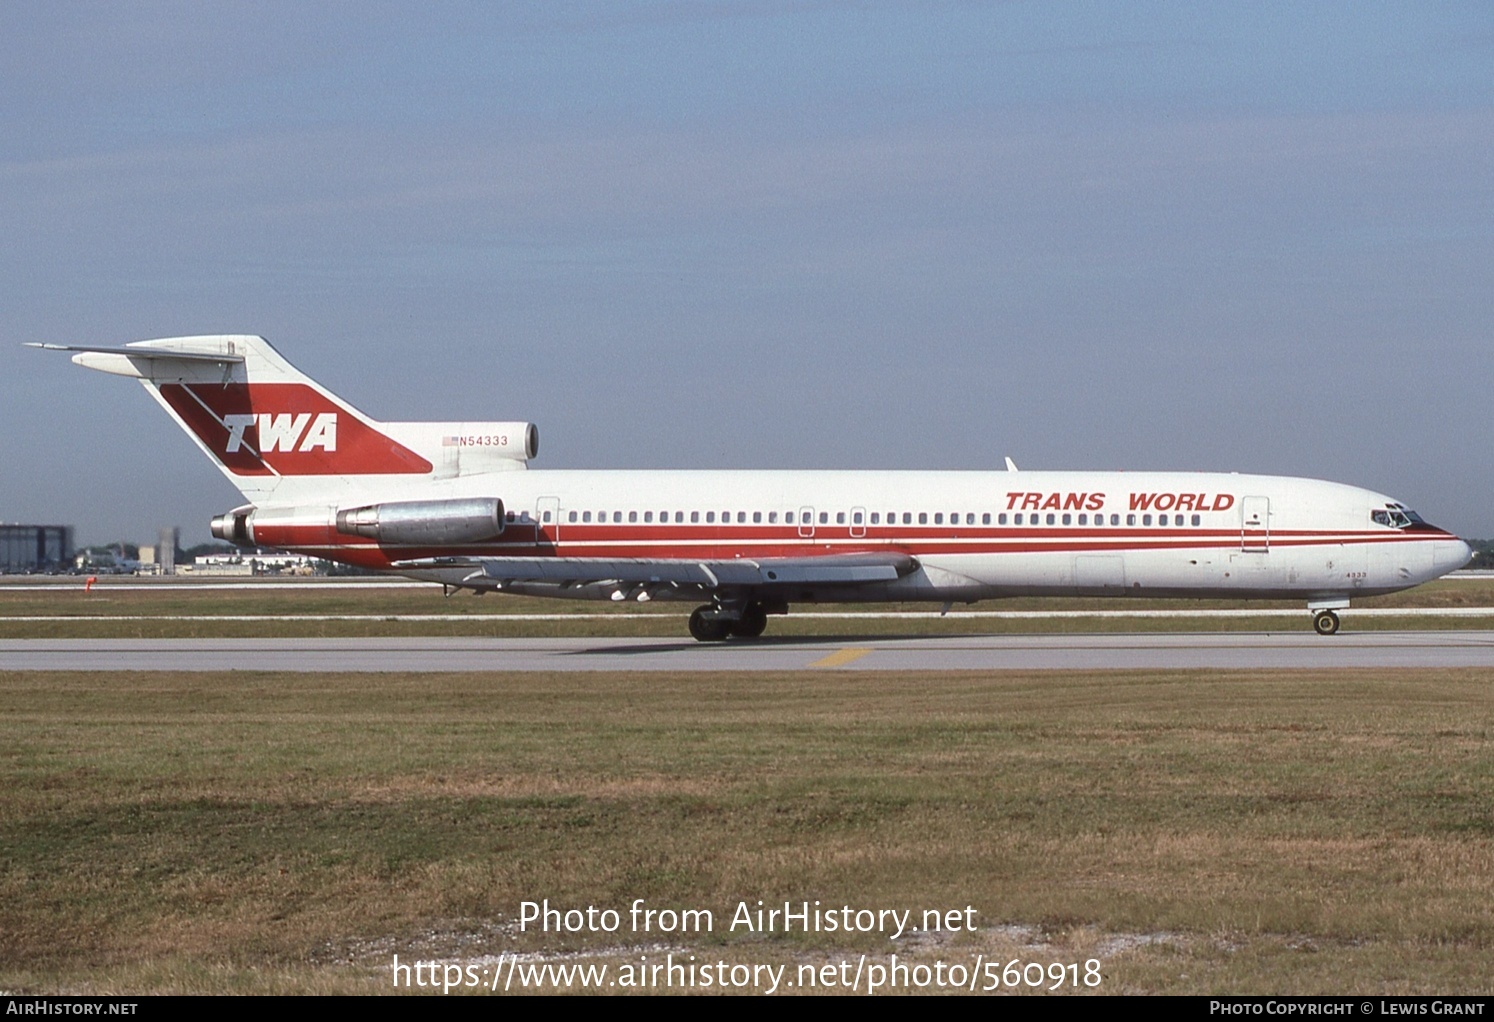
x=806, y=517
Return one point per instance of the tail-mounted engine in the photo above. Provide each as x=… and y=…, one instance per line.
x=234, y=526
x=391, y=523
x=469, y=448
x=425, y=522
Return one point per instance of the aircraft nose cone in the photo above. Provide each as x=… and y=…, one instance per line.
x=1451, y=555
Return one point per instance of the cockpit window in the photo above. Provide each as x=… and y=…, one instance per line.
x=1394, y=519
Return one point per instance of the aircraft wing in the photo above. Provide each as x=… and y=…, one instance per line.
x=766, y=572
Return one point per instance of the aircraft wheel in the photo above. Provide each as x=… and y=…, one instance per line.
x=754, y=621
x=706, y=629
x=1325, y=622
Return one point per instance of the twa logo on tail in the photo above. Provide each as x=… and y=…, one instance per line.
x=280, y=432
x=286, y=429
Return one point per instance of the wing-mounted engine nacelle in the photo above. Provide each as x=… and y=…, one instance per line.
x=425, y=522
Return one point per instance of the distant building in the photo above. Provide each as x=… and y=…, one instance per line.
x=167, y=542
x=199, y=568
x=161, y=558
x=28, y=548
x=259, y=562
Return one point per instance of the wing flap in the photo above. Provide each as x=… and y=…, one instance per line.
x=583, y=570
x=835, y=569
x=832, y=569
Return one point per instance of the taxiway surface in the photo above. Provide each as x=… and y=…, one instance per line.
x=1221, y=651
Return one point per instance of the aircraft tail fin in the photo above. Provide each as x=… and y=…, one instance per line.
x=266, y=424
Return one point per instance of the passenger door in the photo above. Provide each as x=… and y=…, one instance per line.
x=1255, y=525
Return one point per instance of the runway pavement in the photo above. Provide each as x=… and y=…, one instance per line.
x=1221, y=651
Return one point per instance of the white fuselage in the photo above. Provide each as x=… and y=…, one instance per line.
x=975, y=535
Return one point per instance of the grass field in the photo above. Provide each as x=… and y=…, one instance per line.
x=1194, y=832
x=173, y=612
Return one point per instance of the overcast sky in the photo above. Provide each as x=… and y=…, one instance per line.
x=1254, y=237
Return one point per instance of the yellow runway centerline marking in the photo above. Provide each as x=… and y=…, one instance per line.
x=840, y=658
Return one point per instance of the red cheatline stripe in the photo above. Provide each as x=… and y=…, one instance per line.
x=693, y=544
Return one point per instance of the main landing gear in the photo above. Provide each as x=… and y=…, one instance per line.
x=708, y=629
x=1325, y=622
x=711, y=623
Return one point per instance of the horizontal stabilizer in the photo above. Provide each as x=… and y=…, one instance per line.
x=144, y=353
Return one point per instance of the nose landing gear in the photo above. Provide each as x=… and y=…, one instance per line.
x=1325, y=622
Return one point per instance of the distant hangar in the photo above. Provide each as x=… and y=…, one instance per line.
x=31, y=548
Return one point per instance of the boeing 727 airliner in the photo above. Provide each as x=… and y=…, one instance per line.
x=454, y=503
